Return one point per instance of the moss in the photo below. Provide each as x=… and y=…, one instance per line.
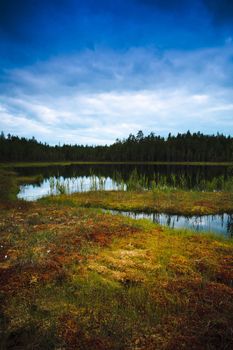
x=171, y=202
x=77, y=278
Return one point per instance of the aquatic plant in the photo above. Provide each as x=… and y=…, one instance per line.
x=52, y=184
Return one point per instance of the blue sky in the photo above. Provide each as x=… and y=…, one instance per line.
x=88, y=72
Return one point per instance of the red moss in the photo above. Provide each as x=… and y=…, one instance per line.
x=225, y=271
x=74, y=338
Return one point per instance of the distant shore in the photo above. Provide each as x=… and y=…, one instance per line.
x=45, y=164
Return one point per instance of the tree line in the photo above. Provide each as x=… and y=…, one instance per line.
x=192, y=147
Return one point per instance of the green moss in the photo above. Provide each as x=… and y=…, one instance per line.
x=171, y=202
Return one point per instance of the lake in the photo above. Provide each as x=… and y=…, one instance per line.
x=80, y=178
x=221, y=224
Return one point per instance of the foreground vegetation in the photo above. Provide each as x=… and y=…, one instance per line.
x=73, y=277
x=77, y=278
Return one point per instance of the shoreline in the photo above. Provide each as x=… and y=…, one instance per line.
x=66, y=163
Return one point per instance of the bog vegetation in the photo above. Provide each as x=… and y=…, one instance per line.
x=75, y=277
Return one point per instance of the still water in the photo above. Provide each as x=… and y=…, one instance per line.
x=79, y=178
x=55, y=185
x=221, y=224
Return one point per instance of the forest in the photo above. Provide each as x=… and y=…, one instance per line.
x=187, y=147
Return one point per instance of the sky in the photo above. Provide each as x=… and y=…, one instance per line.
x=92, y=71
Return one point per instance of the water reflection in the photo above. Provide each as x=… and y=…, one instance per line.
x=186, y=176
x=221, y=224
x=79, y=178
x=59, y=185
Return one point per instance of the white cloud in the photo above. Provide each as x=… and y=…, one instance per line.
x=95, y=97
x=19, y=124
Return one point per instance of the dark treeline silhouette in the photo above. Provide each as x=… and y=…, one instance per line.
x=194, y=147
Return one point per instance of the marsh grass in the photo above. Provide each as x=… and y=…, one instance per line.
x=8, y=185
x=74, y=277
x=77, y=278
x=160, y=201
x=171, y=182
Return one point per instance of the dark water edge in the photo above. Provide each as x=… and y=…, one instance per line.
x=219, y=224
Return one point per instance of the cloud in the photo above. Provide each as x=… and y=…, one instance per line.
x=21, y=125
x=96, y=97
x=134, y=69
x=91, y=71
x=99, y=118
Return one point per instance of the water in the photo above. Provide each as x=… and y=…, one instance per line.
x=51, y=186
x=80, y=178
x=221, y=224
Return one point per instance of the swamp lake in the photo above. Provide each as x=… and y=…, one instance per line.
x=53, y=180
